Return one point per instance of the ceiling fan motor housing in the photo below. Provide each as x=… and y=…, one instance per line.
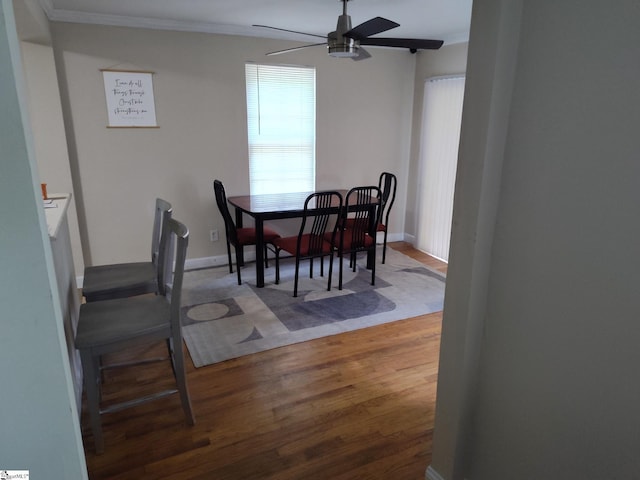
x=339, y=45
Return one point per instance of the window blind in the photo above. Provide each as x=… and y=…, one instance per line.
x=281, y=121
x=441, y=121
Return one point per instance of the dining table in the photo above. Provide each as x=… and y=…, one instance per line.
x=276, y=206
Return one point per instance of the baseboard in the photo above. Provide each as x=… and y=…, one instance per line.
x=392, y=237
x=249, y=256
x=207, y=262
x=431, y=474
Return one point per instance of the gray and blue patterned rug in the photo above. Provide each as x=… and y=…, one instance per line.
x=224, y=320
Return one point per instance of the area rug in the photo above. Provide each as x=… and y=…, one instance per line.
x=224, y=320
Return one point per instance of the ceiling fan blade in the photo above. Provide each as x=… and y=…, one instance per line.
x=371, y=27
x=290, y=31
x=287, y=50
x=362, y=55
x=410, y=43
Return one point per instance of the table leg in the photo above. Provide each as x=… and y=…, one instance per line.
x=371, y=254
x=239, y=225
x=259, y=252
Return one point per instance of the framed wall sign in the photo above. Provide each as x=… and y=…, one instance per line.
x=130, y=101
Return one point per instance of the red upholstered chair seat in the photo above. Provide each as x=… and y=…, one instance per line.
x=347, y=240
x=379, y=227
x=247, y=235
x=290, y=244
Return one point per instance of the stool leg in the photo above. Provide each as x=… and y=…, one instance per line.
x=91, y=372
x=181, y=380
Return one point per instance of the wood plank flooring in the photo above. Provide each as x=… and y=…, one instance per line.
x=359, y=405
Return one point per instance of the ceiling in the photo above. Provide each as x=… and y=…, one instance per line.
x=446, y=20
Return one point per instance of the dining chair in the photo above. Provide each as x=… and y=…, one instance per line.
x=239, y=237
x=116, y=325
x=319, y=221
x=387, y=185
x=358, y=235
x=120, y=280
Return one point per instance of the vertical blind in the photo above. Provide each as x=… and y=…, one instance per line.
x=281, y=121
x=441, y=120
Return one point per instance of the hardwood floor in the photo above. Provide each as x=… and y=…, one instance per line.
x=355, y=405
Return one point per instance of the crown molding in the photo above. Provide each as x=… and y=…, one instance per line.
x=71, y=16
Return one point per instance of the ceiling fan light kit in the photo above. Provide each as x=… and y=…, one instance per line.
x=345, y=41
x=343, y=50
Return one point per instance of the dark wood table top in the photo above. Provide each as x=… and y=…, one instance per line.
x=280, y=205
x=274, y=205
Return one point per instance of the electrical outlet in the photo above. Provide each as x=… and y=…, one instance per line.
x=213, y=235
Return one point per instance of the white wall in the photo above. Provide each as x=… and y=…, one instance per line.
x=38, y=415
x=539, y=353
x=50, y=145
x=363, y=127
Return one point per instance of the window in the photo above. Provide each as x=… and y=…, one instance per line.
x=281, y=123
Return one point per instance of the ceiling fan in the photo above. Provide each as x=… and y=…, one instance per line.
x=346, y=42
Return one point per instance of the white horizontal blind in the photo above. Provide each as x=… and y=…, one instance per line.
x=442, y=117
x=281, y=121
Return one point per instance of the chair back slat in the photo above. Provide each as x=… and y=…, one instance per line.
x=163, y=211
x=173, y=245
x=358, y=208
x=387, y=184
x=180, y=233
x=321, y=208
x=162, y=257
x=221, y=201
